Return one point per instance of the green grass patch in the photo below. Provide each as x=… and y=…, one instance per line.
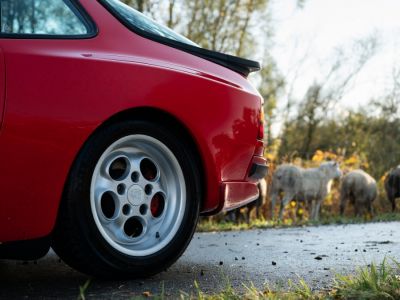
x=210, y=224
x=374, y=282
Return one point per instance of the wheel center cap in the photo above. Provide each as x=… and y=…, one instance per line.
x=135, y=195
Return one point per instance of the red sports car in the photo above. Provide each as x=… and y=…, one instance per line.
x=116, y=134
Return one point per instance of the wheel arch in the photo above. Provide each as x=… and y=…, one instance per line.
x=163, y=118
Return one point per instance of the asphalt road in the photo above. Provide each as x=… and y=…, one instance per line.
x=262, y=257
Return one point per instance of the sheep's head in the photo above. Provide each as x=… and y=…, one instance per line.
x=331, y=169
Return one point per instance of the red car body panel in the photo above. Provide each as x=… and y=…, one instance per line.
x=2, y=86
x=58, y=92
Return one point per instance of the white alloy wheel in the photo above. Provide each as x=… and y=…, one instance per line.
x=138, y=195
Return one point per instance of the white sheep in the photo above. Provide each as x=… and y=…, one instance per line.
x=308, y=185
x=360, y=188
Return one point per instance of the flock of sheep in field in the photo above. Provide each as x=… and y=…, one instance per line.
x=310, y=186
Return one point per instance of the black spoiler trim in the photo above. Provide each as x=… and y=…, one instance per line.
x=237, y=64
x=240, y=65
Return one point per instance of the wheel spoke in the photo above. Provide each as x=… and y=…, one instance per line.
x=116, y=228
x=105, y=184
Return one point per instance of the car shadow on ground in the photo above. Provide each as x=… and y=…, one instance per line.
x=50, y=277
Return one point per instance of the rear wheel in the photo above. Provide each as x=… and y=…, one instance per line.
x=131, y=203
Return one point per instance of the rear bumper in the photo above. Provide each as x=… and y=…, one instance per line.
x=237, y=194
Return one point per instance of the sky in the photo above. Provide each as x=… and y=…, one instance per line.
x=323, y=25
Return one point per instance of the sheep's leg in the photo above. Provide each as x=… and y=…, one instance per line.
x=248, y=215
x=286, y=199
x=311, y=208
x=392, y=199
x=356, y=209
x=258, y=211
x=317, y=207
x=362, y=211
x=343, y=200
x=308, y=207
x=234, y=215
x=231, y=216
x=239, y=216
x=274, y=197
x=370, y=208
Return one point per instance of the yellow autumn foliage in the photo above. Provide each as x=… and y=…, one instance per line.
x=352, y=160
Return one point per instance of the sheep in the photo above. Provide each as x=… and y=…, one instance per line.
x=360, y=188
x=308, y=185
x=392, y=186
x=235, y=214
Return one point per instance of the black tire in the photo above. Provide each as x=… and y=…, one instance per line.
x=77, y=239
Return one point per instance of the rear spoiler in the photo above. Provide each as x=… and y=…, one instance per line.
x=237, y=64
x=240, y=65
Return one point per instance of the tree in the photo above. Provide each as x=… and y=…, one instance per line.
x=271, y=84
x=140, y=5
x=323, y=96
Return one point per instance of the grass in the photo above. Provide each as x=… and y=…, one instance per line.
x=207, y=225
x=83, y=289
x=382, y=282
x=373, y=282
